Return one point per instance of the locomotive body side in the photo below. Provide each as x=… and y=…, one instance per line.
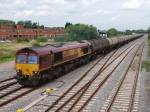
x=35, y=64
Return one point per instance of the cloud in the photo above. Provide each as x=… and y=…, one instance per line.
x=43, y=13
x=133, y=4
x=114, y=17
x=148, y=1
x=24, y=13
x=101, y=13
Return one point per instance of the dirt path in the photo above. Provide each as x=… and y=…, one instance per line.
x=7, y=70
x=7, y=65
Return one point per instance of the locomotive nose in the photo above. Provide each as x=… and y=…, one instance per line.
x=27, y=69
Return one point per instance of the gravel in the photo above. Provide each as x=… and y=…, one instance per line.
x=144, y=104
x=7, y=70
x=62, y=83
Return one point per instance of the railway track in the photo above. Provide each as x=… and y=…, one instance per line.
x=12, y=93
x=10, y=90
x=8, y=79
x=82, y=91
x=123, y=94
x=7, y=82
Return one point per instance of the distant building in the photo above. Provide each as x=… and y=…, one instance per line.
x=19, y=32
x=102, y=33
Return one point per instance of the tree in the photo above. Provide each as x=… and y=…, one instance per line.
x=42, y=27
x=148, y=33
x=80, y=32
x=35, y=25
x=112, y=32
x=67, y=24
x=42, y=39
x=30, y=24
x=21, y=22
x=7, y=22
x=128, y=32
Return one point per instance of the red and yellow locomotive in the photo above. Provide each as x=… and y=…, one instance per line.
x=34, y=65
x=37, y=64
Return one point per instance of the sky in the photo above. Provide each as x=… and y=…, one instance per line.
x=104, y=14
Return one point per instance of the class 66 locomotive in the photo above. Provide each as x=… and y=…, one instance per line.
x=36, y=65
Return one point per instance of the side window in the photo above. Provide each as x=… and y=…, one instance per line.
x=44, y=59
x=58, y=57
x=85, y=50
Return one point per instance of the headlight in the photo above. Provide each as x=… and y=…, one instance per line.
x=18, y=70
x=34, y=72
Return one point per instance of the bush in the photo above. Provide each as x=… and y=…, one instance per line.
x=146, y=65
x=149, y=36
x=7, y=57
x=60, y=39
x=22, y=40
x=79, y=32
x=42, y=39
x=35, y=44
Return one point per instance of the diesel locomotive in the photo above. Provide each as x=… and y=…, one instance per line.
x=35, y=65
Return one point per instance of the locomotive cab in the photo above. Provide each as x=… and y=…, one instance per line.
x=27, y=64
x=30, y=64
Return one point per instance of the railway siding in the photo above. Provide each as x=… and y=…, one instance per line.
x=65, y=82
x=124, y=96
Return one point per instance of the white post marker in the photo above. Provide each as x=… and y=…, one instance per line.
x=47, y=92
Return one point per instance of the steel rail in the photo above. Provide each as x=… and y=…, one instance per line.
x=7, y=85
x=99, y=86
x=7, y=79
x=10, y=92
x=102, y=69
x=16, y=97
x=120, y=83
x=135, y=83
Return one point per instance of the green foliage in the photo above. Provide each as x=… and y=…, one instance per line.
x=7, y=22
x=7, y=58
x=60, y=39
x=67, y=24
x=36, y=44
x=112, y=32
x=79, y=32
x=30, y=24
x=42, y=39
x=22, y=40
x=148, y=33
x=139, y=31
x=128, y=32
x=146, y=65
x=149, y=36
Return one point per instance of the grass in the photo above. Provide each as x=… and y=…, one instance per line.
x=146, y=63
x=60, y=39
x=6, y=58
x=8, y=50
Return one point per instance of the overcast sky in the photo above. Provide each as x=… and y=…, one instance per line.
x=104, y=14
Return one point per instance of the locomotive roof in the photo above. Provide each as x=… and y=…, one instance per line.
x=42, y=50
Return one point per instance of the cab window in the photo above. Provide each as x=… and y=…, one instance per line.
x=21, y=58
x=32, y=59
